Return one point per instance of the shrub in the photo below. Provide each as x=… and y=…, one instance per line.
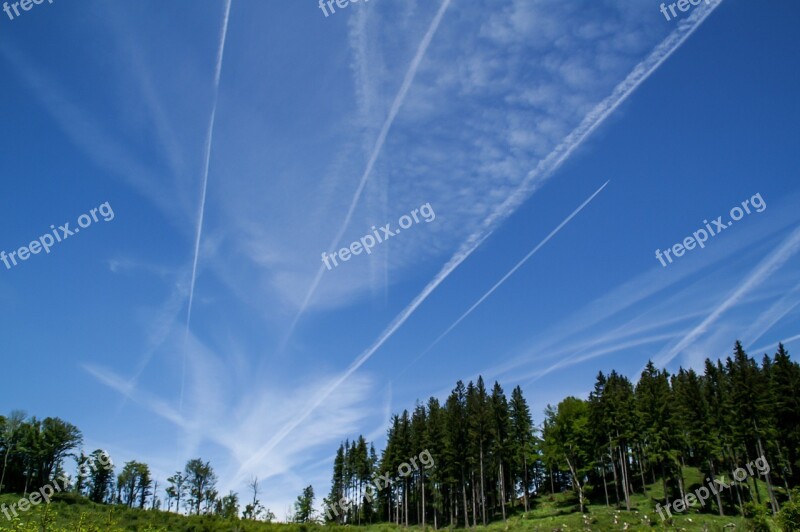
x=758, y=515
x=789, y=516
x=68, y=498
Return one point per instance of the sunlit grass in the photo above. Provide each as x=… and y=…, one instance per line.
x=546, y=513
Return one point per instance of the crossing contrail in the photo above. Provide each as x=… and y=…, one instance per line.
x=393, y=110
x=209, y=137
x=774, y=345
x=775, y=260
x=509, y=274
x=544, y=169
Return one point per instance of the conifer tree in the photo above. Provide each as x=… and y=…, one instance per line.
x=521, y=441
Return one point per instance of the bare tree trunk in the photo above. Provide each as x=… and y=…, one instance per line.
x=483, y=493
x=577, y=482
x=739, y=498
x=605, y=484
x=5, y=463
x=405, y=501
x=435, y=514
x=453, y=507
x=613, y=469
x=716, y=492
x=624, y=469
x=755, y=485
x=641, y=469
x=422, y=479
x=525, y=479
x=772, y=501
x=784, y=464
x=474, y=505
x=155, y=491
x=733, y=459
x=502, y=491
x=464, y=495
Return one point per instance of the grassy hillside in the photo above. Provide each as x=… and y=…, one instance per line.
x=560, y=512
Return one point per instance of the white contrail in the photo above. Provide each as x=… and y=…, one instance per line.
x=543, y=170
x=509, y=274
x=775, y=313
x=766, y=267
x=393, y=110
x=209, y=137
x=774, y=345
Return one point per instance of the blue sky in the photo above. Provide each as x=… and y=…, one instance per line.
x=504, y=116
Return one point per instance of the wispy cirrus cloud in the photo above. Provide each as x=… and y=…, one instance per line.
x=767, y=267
x=543, y=170
x=446, y=146
x=505, y=96
x=675, y=301
x=394, y=109
x=204, y=188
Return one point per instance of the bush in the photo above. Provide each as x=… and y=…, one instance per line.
x=68, y=498
x=759, y=517
x=789, y=516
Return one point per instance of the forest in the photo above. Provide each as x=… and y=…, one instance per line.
x=490, y=459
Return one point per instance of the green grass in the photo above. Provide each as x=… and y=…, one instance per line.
x=77, y=514
x=561, y=512
x=547, y=513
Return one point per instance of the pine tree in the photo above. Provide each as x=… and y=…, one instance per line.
x=785, y=383
x=337, y=487
x=500, y=428
x=484, y=444
x=478, y=430
x=654, y=421
x=521, y=441
x=455, y=452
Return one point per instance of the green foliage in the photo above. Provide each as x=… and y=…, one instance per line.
x=626, y=447
x=758, y=515
x=100, y=476
x=304, y=506
x=566, y=433
x=201, y=481
x=789, y=516
x=133, y=484
x=33, y=450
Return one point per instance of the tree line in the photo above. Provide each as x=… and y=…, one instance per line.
x=491, y=459
x=34, y=453
x=483, y=447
